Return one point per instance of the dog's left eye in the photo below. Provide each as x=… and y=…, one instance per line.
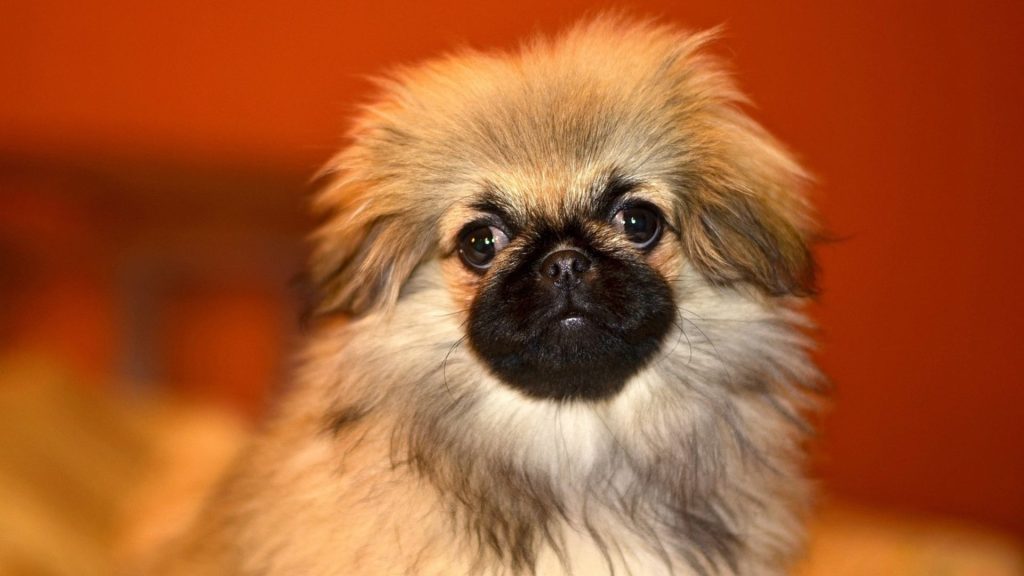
x=479, y=245
x=641, y=225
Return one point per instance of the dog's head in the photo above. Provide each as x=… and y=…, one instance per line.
x=561, y=192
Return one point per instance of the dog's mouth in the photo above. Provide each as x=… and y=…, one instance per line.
x=572, y=322
x=567, y=329
x=570, y=314
x=573, y=326
x=583, y=344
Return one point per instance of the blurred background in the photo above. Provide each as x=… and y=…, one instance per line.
x=155, y=160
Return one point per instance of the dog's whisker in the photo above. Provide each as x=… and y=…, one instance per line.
x=444, y=363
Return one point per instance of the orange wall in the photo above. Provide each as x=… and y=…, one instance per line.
x=910, y=113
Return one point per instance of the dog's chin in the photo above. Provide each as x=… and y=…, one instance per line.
x=586, y=351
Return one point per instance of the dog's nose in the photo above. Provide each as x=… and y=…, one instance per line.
x=564, y=268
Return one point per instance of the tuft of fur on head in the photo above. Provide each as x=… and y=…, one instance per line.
x=694, y=467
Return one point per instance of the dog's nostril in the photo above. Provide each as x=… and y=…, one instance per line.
x=564, y=268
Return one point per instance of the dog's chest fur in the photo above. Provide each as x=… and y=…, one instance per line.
x=693, y=469
x=335, y=507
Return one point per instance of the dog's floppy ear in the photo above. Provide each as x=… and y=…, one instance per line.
x=744, y=217
x=748, y=220
x=741, y=238
x=370, y=242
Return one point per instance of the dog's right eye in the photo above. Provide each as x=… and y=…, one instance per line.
x=480, y=244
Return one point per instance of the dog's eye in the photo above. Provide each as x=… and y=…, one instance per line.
x=641, y=225
x=478, y=245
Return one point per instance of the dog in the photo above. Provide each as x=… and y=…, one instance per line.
x=560, y=331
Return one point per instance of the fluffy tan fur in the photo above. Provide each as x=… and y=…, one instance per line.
x=397, y=452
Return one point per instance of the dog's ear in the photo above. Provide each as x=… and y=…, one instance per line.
x=748, y=220
x=745, y=218
x=369, y=244
x=739, y=237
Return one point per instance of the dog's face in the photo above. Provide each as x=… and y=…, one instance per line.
x=569, y=297
x=561, y=193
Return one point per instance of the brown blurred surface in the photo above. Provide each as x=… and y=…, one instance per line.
x=154, y=159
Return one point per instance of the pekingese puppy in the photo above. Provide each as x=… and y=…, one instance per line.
x=571, y=277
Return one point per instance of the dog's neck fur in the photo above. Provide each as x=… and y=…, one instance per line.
x=694, y=468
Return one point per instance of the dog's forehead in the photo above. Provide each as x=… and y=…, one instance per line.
x=549, y=193
x=555, y=154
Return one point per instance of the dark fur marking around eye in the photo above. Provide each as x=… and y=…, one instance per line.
x=614, y=188
x=491, y=202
